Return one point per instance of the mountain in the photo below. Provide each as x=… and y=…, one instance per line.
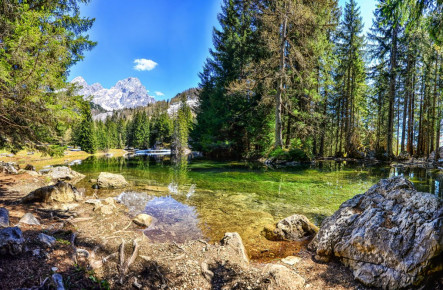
x=191, y=100
x=127, y=93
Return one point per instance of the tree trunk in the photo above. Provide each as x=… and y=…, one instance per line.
x=278, y=101
x=393, y=74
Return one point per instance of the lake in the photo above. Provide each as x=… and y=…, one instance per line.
x=204, y=199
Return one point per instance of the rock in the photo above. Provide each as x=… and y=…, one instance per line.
x=93, y=180
x=46, y=240
x=403, y=156
x=11, y=241
x=143, y=220
x=58, y=281
x=234, y=241
x=30, y=167
x=110, y=180
x=106, y=206
x=9, y=167
x=293, y=228
x=29, y=219
x=391, y=236
x=60, y=192
x=63, y=173
x=282, y=277
x=291, y=260
x=4, y=217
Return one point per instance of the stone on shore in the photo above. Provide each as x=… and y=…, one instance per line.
x=283, y=278
x=11, y=241
x=63, y=173
x=143, y=220
x=9, y=167
x=391, y=236
x=234, y=241
x=46, y=240
x=4, y=217
x=29, y=219
x=110, y=180
x=62, y=192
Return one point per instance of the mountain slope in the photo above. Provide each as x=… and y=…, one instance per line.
x=127, y=93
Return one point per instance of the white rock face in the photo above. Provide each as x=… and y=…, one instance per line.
x=127, y=93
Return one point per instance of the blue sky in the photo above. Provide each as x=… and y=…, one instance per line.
x=164, y=43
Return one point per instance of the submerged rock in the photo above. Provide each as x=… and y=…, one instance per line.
x=4, y=217
x=60, y=192
x=30, y=167
x=292, y=228
x=29, y=219
x=63, y=173
x=110, y=180
x=11, y=241
x=143, y=220
x=283, y=278
x=58, y=281
x=391, y=236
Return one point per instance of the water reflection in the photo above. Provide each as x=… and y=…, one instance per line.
x=174, y=221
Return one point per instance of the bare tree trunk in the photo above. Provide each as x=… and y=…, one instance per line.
x=278, y=101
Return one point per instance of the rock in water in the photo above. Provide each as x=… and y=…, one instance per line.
x=293, y=228
x=235, y=241
x=4, y=217
x=46, y=240
x=60, y=192
x=29, y=219
x=63, y=173
x=391, y=236
x=143, y=220
x=110, y=180
x=30, y=167
x=11, y=241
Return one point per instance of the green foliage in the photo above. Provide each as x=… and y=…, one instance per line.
x=40, y=40
x=84, y=133
x=293, y=154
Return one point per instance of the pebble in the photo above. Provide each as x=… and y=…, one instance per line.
x=291, y=260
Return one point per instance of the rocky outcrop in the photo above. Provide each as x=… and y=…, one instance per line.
x=60, y=192
x=293, y=228
x=110, y=180
x=63, y=173
x=11, y=241
x=391, y=236
x=4, y=217
x=105, y=207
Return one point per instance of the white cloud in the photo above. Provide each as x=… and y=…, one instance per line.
x=143, y=64
x=159, y=94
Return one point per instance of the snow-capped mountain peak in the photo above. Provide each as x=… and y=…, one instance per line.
x=127, y=93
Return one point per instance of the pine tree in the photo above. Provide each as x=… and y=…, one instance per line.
x=84, y=135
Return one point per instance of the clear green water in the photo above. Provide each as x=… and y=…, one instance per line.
x=205, y=198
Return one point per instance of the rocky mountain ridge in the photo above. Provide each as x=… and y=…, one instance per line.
x=127, y=93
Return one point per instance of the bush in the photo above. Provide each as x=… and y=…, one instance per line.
x=293, y=154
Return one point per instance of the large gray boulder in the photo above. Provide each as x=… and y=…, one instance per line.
x=11, y=241
x=292, y=228
x=391, y=236
x=63, y=173
x=234, y=241
x=60, y=192
x=111, y=180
